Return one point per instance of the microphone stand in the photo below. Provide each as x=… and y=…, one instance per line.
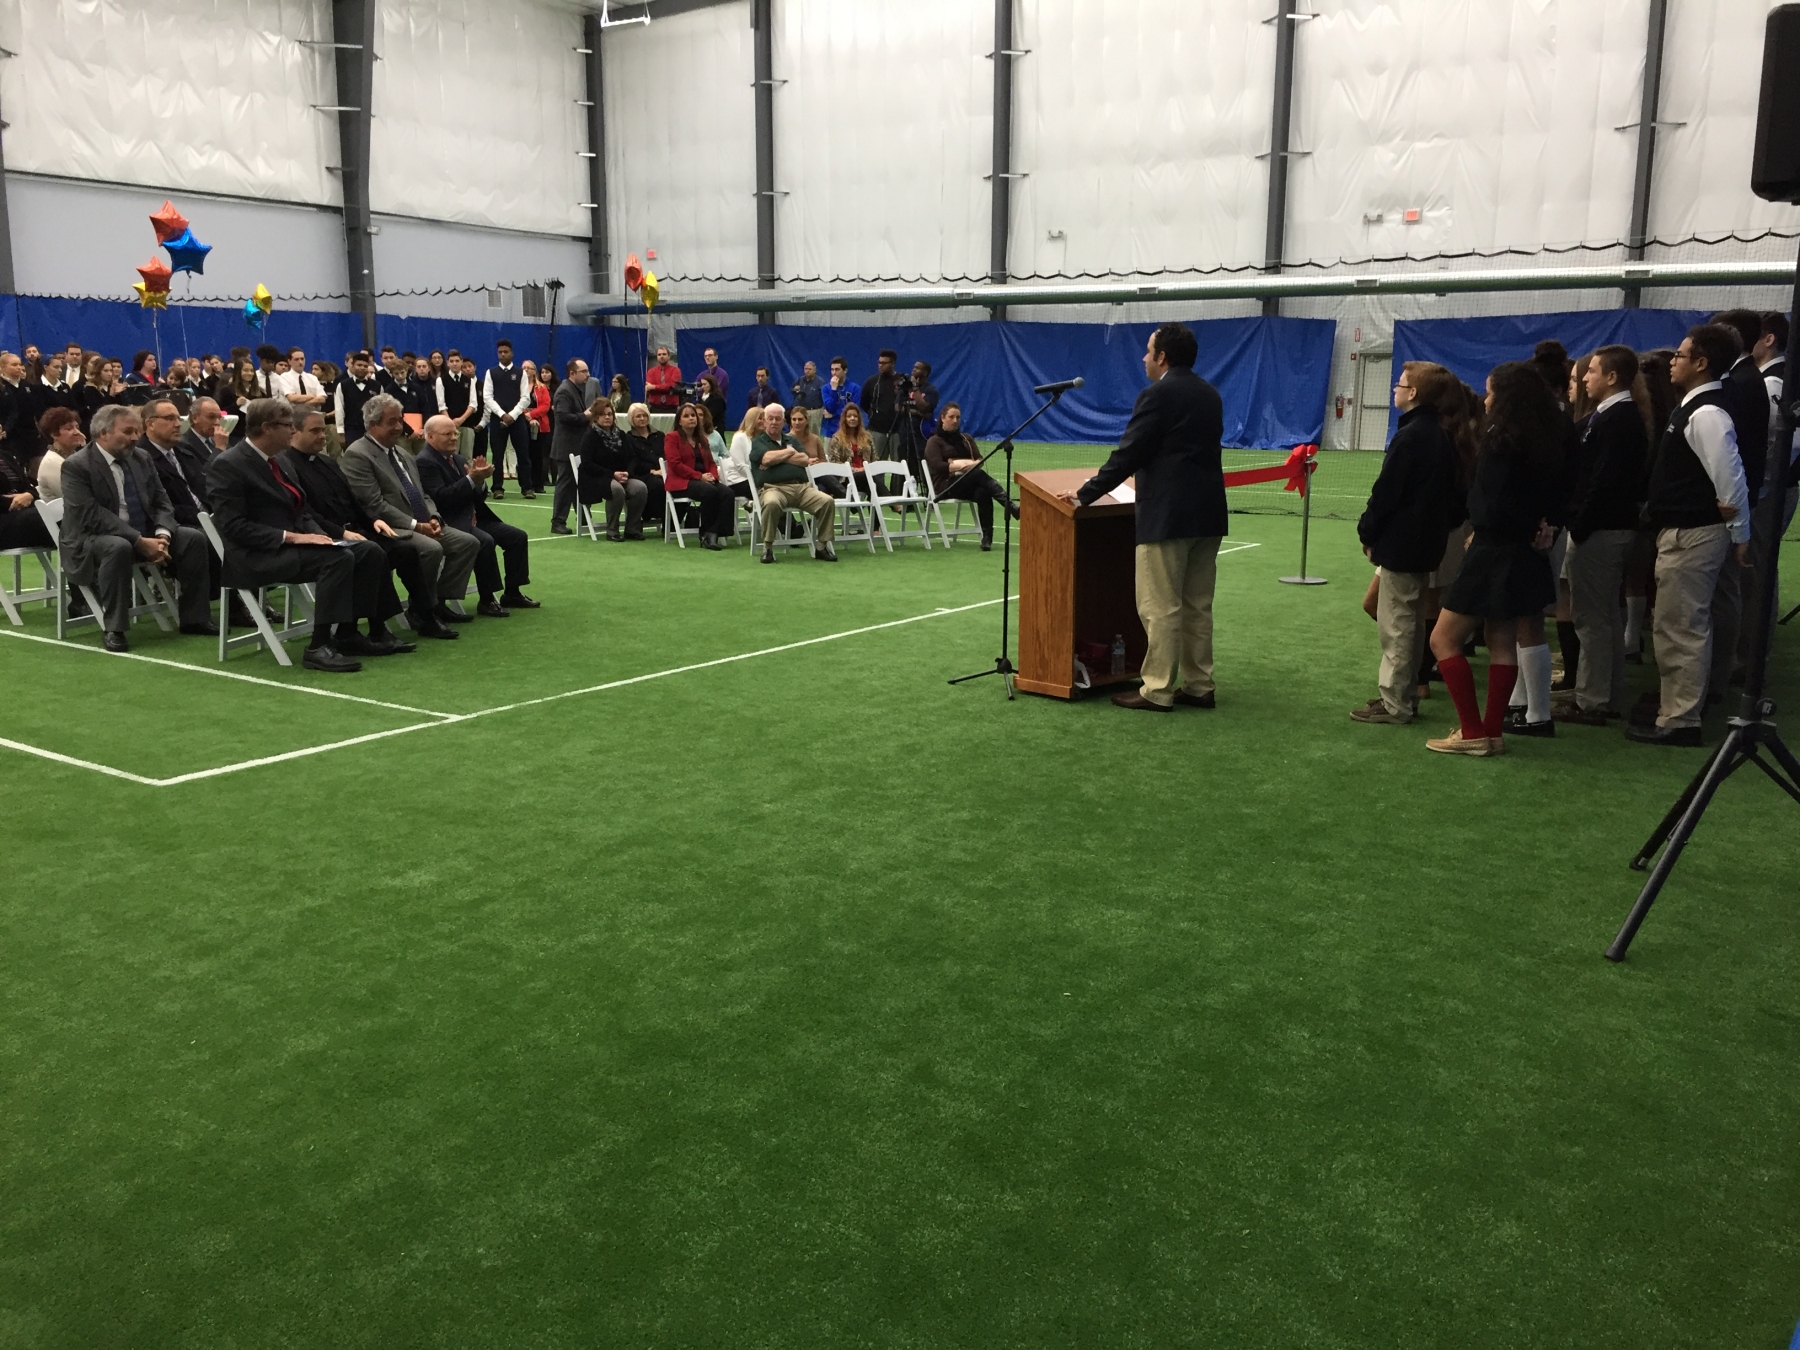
x=1003, y=666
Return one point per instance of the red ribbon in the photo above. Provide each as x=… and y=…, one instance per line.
x=1298, y=470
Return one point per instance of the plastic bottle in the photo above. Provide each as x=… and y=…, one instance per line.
x=1118, y=654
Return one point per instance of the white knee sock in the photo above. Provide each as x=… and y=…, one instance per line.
x=1534, y=675
x=1634, y=621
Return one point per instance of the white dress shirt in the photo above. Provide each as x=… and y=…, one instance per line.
x=1714, y=440
x=493, y=409
x=1612, y=400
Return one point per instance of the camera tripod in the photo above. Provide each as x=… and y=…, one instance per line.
x=1752, y=738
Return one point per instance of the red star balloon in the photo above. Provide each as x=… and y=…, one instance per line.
x=156, y=275
x=168, y=223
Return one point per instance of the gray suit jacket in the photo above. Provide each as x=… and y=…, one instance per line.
x=91, y=505
x=568, y=417
x=376, y=486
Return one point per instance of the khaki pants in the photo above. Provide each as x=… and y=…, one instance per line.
x=777, y=498
x=1687, y=574
x=1400, y=619
x=1175, y=599
x=1596, y=571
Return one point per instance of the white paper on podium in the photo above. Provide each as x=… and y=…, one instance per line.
x=1125, y=492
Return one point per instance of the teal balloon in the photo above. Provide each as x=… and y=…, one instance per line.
x=253, y=316
x=186, y=253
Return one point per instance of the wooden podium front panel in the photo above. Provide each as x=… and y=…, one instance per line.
x=1077, y=582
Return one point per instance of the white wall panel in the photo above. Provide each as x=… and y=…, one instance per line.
x=475, y=115
x=883, y=135
x=1138, y=123
x=207, y=95
x=434, y=256
x=1493, y=118
x=680, y=143
x=1710, y=82
x=74, y=238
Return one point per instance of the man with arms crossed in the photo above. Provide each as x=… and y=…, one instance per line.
x=779, y=469
x=1172, y=445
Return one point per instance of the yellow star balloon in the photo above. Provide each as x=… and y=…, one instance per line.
x=648, y=290
x=148, y=298
x=261, y=298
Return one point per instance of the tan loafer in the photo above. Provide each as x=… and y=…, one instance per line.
x=1454, y=744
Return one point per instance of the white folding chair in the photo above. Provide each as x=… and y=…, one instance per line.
x=849, y=502
x=298, y=598
x=584, y=518
x=903, y=499
x=151, y=592
x=15, y=595
x=934, y=506
x=672, y=508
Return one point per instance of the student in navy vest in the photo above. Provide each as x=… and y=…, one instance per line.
x=505, y=398
x=1699, y=506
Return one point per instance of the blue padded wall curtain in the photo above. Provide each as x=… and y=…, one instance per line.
x=1472, y=347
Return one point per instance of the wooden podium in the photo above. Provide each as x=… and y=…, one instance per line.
x=1077, y=584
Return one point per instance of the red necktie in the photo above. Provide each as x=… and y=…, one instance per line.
x=287, y=487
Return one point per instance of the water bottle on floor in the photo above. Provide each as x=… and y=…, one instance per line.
x=1118, y=654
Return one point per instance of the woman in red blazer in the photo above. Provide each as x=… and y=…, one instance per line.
x=690, y=472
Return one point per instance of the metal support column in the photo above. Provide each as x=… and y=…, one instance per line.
x=1275, y=239
x=599, y=256
x=353, y=44
x=1002, y=177
x=8, y=285
x=1646, y=143
x=762, y=21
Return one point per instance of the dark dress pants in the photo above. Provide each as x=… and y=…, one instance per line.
x=111, y=562
x=347, y=578
x=24, y=529
x=518, y=436
x=540, y=459
x=564, y=501
x=980, y=487
x=714, y=503
x=496, y=538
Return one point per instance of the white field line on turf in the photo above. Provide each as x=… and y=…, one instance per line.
x=222, y=674
x=448, y=719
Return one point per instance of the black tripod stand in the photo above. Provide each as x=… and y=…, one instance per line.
x=1003, y=666
x=1753, y=729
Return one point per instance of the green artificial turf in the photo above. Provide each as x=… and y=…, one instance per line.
x=805, y=1000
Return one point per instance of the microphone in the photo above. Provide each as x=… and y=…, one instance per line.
x=1060, y=386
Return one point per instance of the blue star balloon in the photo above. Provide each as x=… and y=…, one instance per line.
x=253, y=315
x=186, y=253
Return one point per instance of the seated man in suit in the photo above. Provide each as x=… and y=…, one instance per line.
x=197, y=446
x=387, y=488
x=460, y=490
x=332, y=505
x=162, y=432
x=270, y=539
x=116, y=515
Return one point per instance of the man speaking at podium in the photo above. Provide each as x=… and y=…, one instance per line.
x=1171, y=445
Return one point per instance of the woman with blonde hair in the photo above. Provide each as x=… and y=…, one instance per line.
x=805, y=438
x=1414, y=502
x=734, y=469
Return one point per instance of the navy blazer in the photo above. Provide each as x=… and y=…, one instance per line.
x=1172, y=445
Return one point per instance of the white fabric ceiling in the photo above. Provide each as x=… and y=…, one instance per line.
x=1139, y=125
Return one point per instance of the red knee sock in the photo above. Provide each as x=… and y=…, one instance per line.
x=1500, y=686
x=1461, y=683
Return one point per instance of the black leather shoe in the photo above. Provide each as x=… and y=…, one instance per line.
x=389, y=645
x=1516, y=725
x=329, y=658
x=207, y=629
x=1210, y=699
x=615, y=536
x=825, y=554
x=529, y=496
x=353, y=644
x=519, y=600
x=115, y=642
x=444, y=614
x=1582, y=717
x=768, y=553
x=634, y=534
x=493, y=609
x=987, y=543
x=1140, y=703
x=429, y=627
x=560, y=529
x=1688, y=736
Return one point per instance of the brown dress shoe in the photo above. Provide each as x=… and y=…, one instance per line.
x=1141, y=703
x=1207, y=700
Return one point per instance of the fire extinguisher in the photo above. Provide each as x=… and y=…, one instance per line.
x=1340, y=405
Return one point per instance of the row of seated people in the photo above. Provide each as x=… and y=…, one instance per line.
x=286, y=513
x=633, y=470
